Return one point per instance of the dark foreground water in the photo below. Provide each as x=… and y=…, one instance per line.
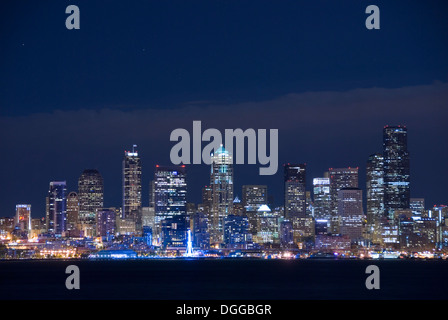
x=224, y=279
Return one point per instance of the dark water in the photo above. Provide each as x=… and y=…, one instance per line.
x=224, y=279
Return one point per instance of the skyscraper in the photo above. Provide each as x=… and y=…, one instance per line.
x=254, y=196
x=341, y=178
x=295, y=198
x=56, y=208
x=91, y=198
x=375, y=189
x=351, y=212
x=72, y=211
x=417, y=205
x=295, y=193
x=170, y=197
x=221, y=181
x=236, y=231
x=132, y=184
x=396, y=169
x=105, y=225
x=23, y=217
x=322, y=198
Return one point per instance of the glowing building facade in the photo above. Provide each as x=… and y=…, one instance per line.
x=56, y=214
x=132, y=185
x=221, y=182
x=396, y=169
x=23, y=217
x=170, y=200
x=91, y=198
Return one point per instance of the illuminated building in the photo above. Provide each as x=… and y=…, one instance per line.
x=56, y=208
x=321, y=226
x=417, y=205
x=105, y=222
x=375, y=188
x=295, y=196
x=254, y=196
x=72, y=212
x=440, y=214
x=221, y=182
x=148, y=217
x=152, y=189
x=147, y=235
x=332, y=242
x=236, y=231
x=38, y=226
x=286, y=234
x=23, y=217
x=322, y=198
x=207, y=197
x=125, y=226
x=309, y=204
x=389, y=234
x=375, y=196
x=238, y=208
x=268, y=225
x=396, y=169
x=132, y=186
x=341, y=178
x=351, y=212
x=91, y=198
x=170, y=198
x=6, y=226
x=201, y=237
x=174, y=232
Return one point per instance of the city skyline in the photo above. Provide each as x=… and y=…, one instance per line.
x=327, y=87
x=144, y=197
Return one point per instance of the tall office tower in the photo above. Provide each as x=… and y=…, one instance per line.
x=207, y=198
x=132, y=185
x=295, y=196
x=201, y=237
x=23, y=217
x=105, y=222
x=148, y=217
x=440, y=214
x=238, y=208
x=268, y=226
x=351, y=212
x=221, y=181
x=72, y=211
x=152, y=189
x=322, y=198
x=91, y=198
x=170, y=198
x=254, y=196
x=396, y=169
x=286, y=233
x=56, y=208
x=309, y=204
x=236, y=231
x=375, y=196
x=417, y=206
x=341, y=178
x=174, y=231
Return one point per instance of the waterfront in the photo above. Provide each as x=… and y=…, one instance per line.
x=224, y=279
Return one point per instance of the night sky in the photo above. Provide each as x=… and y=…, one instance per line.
x=136, y=70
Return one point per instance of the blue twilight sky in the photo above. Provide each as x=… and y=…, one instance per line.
x=136, y=70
